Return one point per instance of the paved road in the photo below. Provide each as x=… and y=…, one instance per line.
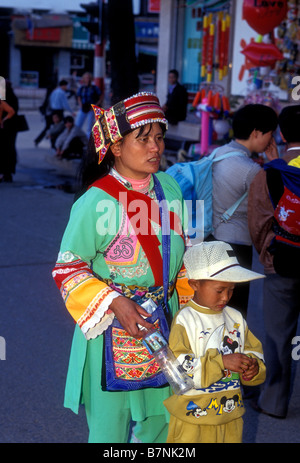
x=36, y=327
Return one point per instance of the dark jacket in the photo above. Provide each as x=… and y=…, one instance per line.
x=176, y=104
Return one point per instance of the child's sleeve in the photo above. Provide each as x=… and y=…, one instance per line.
x=253, y=348
x=184, y=291
x=203, y=370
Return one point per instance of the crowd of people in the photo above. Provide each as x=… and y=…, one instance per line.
x=119, y=276
x=64, y=122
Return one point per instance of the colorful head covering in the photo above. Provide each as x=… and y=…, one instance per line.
x=112, y=124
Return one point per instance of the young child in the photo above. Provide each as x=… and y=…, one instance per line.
x=214, y=345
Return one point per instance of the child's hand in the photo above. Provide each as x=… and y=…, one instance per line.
x=252, y=370
x=239, y=363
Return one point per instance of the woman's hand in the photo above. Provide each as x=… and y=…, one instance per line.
x=130, y=314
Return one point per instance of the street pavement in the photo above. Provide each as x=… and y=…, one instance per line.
x=35, y=327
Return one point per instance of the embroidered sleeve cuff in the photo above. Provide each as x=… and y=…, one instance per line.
x=98, y=316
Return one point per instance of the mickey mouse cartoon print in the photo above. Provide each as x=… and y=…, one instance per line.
x=229, y=404
x=228, y=345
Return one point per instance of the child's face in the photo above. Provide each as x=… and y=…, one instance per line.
x=212, y=294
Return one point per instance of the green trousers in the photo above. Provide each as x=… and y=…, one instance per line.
x=121, y=417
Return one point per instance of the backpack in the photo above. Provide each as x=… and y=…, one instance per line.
x=284, y=190
x=195, y=181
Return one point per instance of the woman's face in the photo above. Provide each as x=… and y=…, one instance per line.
x=137, y=156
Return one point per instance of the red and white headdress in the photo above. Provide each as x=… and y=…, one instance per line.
x=112, y=124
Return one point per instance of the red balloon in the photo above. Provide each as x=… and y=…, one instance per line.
x=262, y=54
x=264, y=15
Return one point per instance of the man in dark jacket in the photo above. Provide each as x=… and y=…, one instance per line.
x=177, y=99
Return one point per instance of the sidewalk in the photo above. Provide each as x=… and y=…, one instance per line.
x=33, y=320
x=34, y=168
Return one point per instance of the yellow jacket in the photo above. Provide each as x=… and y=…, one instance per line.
x=199, y=338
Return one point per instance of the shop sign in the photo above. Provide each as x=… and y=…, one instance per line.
x=29, y=79
x=45, y=34
x=146, y=30
x=81, y=36
x=153, y=6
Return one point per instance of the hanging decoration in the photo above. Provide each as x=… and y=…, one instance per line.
x=210, y=51
x=262, y=54
x=264, y=15
x=215, y=44
x=211, y=105
x=223, y=43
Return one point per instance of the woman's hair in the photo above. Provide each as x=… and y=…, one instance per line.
x=91, y=170
x=253, y=117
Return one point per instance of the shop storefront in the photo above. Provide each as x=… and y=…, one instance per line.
x=241, y=48
x=47, y=48
x=231, y=42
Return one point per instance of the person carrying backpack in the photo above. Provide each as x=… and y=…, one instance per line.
x=274, y=217
x=221, y=181
x=253, y=126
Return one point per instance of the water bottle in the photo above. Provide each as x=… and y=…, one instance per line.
x=175, y=374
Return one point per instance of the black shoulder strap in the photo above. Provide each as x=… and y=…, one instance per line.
x=275, y=185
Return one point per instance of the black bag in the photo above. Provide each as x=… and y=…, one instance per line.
x=21, y=123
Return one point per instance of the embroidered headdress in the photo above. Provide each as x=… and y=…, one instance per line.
x=112, y=124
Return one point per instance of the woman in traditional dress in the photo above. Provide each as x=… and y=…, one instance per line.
x=111, y=261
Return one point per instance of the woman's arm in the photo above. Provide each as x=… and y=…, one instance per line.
x=89, y=300
x=8, y=109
